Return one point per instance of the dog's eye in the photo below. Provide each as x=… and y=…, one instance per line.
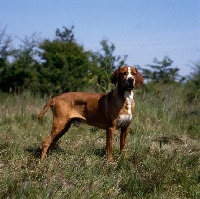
x=133, y=73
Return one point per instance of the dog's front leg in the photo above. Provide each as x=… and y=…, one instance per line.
x=109, y=142
x=123, y=136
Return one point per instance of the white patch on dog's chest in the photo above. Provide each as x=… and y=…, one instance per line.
x=125, y=119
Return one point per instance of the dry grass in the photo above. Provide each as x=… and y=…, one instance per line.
x=163, y=152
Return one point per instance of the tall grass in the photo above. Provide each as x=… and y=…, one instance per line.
x=162, y=158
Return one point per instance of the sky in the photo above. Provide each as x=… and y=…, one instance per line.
x=141, y=29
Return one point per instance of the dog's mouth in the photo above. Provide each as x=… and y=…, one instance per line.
x=129, y=87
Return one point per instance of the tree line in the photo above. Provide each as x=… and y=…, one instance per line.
x=62, y=64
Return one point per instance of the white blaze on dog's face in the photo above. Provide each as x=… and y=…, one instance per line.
x=129, y=73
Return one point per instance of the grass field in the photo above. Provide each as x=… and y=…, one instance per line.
x=162, y=158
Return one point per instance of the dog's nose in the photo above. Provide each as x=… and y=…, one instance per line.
x=130, y=80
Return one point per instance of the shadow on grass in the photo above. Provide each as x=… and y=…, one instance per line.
x=100, y=152
x=36, y=151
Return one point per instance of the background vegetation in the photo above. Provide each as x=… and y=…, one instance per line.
x=55, y=66
x=163, y=148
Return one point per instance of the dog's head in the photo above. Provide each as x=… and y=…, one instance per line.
x=128, y=77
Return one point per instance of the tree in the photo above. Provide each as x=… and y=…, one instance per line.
x=22, y=72
x=5, y=49
x=193, y=83
x=106, y=63
x=5, y=44
x=65, y=64
x=66, y=36
x=162, y=72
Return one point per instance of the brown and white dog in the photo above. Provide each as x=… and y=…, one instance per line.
x=109, y=111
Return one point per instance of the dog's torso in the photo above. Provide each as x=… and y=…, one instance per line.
x=99, y=110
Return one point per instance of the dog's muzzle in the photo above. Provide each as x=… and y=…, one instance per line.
x=130, y=83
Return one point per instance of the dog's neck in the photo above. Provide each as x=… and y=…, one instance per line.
x=120, y=93
x=128, y=95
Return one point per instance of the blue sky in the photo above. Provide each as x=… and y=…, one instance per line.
x=141, y=29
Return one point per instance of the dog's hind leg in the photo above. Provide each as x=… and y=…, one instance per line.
x=58, y=130
x=54, y=141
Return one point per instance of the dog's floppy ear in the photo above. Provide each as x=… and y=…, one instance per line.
x=139, y=79
x=114, y=77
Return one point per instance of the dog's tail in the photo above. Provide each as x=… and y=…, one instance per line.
x=46, y=107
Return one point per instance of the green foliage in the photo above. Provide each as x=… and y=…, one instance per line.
x=5, y=49
x=66, y=36
x=162, y=72
x=56, y=66
x=68, y=67
x=21, y=73
x=192, y=86
x=5, y=45
x=65, y=64
x=106, y=63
